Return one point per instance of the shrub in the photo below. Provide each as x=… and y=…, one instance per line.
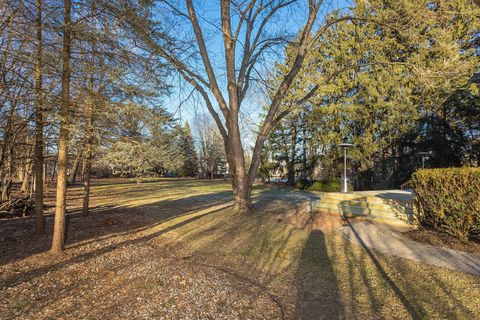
x=303, y=184
x=448, y=200
x=326, y=185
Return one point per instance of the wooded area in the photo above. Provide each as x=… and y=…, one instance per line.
x=84, y=84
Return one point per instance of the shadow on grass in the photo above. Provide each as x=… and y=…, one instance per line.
x=28, y=276
x=315, y=281
x=18, y=240
x=414, y=309
x=421, y=292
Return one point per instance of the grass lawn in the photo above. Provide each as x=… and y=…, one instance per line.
x=173, y=249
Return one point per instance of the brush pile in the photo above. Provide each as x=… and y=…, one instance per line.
x=20, y=207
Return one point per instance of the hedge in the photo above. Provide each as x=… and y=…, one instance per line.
x=448, y=200
x=324, y=185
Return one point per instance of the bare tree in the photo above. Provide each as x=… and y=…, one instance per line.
x=210, y=146
x=251, y=22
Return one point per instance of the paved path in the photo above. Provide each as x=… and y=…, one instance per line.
x=388, y=239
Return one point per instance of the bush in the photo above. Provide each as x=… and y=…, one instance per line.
x=303, y=184
x=448, y=200
x=101, y=171
x=326, y=185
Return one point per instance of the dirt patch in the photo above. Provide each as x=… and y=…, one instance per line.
x=327, y=222
x=443, y=240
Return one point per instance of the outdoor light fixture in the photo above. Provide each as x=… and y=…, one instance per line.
x=424, y=155
x=345, y=146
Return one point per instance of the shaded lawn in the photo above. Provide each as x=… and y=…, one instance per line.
x=177, y=247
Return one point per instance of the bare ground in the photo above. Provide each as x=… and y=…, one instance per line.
x=174, y=250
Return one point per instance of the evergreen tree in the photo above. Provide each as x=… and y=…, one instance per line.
x=392, y=88
x=190, y=164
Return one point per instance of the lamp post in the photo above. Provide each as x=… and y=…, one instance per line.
x=424, y=155
x=345, y=146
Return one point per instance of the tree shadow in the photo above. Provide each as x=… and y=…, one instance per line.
x=417, y=289
x=34, y=273
x=414, y=309
x=318, y=295
x=18, y=240
x=146, y=217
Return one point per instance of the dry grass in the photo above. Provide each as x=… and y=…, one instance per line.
x=173, y=249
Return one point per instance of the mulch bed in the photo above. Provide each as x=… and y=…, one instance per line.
x=443, y=240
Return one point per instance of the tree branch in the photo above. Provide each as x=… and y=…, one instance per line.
x=206, y=60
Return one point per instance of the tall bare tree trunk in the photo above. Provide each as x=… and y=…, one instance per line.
x=240, y=184
x=39, y=217
x=6, y=156
x=58, y=241
x=90, y=118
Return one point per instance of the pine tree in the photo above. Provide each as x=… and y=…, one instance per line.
x=383, y=84
x=58, y=241
x=187, y=146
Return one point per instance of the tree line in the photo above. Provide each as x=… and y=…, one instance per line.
x=78, y=97
x=398, y=78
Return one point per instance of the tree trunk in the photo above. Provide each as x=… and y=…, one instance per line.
x=6, y=153
x=240, y=183
x=26, y=178
x=84, y=163
x=38, y=161
x=72, y=179
x=90, y=118
x=241, y=194
x=305, y=170
x=7, y=179
x=58, y=241
x=88, y=173
x=293, y=153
